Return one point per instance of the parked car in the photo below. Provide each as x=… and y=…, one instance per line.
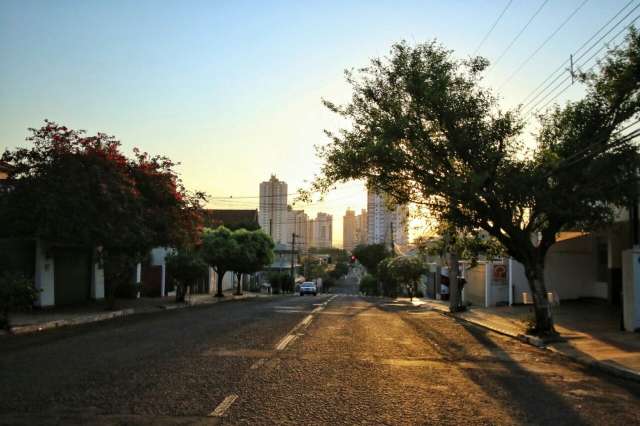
x=444, y=283
x=308, y=287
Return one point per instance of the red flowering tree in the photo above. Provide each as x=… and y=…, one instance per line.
x=72, y=189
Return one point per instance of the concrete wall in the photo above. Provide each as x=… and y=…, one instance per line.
x=519, y=282
x=474, y=290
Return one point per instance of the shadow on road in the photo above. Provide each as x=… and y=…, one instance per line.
x=511, y=384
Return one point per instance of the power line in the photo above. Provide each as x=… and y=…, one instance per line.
x=580, y=57
x=535, y=52
x=604, y=46
x=566, y=62
x=486, y=36
x=520, y=33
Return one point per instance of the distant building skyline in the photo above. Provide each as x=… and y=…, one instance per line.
x=384, y=225
x=278, y=219
x=273, y=213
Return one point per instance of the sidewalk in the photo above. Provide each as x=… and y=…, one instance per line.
x=44, y=319
x=589, y=330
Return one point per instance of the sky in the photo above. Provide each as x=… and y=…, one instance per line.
x=232, y=89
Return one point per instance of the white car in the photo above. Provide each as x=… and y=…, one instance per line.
x=308, y=287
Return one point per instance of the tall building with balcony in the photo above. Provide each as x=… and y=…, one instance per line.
x=297, y=223
x=273, y=213
x=320, y=231
x=362, y=230
x=349, y=230
x=385, y=225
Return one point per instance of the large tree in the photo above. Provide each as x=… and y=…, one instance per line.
x=71, y=189
x=185, y=267
x=371, y=255
x=406, y=271
x=255, y=251
x=220, y=251
x=423, y=129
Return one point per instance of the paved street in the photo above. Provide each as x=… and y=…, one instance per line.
x=298, y=360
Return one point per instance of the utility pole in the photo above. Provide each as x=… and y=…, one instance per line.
x=293, y=255
x=271, y=227
x=393, y=248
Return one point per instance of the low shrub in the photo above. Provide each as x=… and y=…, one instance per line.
x=16, y=292
x=369, y=285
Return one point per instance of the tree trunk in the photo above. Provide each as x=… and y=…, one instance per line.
x=239, y=286
x=219, y=289
x=541, y=306
x=455, y=293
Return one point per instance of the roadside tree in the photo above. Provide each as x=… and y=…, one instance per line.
x=371, y=255
x=185, y=267
x=424, y=130
x=406, y=271
x=255, y=250
x=75, y=190
x=219, y=250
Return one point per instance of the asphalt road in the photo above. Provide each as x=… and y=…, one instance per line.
x=299, y=360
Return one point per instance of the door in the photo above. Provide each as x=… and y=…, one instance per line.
x=72, y=276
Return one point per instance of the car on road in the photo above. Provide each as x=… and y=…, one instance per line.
x=308, y=287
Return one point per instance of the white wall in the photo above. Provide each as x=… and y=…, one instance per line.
x=570, y=269
x=97, y=281
x=519, y=281
x=44, y=277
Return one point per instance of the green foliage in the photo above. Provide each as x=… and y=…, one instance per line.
x=406, y=272
x=185, y=267
x=369, y=285
x=279, y=281
x=219, y=250
x=313, y=268
x=371, y=255
x=254, y=251
x=16, y=292
x=81, y=190
x=467, y=244
x=340, y=269
x=390, y=287
x=424, y=130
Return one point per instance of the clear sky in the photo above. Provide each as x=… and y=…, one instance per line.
x=232, y=89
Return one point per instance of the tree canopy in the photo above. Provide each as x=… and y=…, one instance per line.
x=406, y=271
x=424, y=130
x=74, y=189
x=371, y=255
x=255, y=250
x=71, y=189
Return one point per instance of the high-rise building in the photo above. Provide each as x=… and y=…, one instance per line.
x=297, y=223
x=362, y=230
x=320, y=231
x=385, y=225
x=349, y=228
x=273, y=213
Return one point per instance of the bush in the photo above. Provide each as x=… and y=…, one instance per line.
x=369, y=285
x=16, y=292
x=280, y=281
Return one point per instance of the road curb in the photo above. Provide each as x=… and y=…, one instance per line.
x=34, y=328
x=49, y=325
x=603, y=366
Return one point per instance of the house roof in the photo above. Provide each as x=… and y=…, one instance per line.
x=217, y=217
x=6, y=167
